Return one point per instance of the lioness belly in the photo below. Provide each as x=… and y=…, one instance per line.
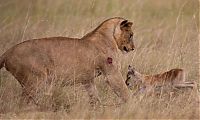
x=73, y=75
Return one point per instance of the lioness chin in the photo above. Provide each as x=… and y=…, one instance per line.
x=35, y=63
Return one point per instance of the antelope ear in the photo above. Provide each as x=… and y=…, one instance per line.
x=129, y=67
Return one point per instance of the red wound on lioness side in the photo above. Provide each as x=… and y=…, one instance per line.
x=109, y=60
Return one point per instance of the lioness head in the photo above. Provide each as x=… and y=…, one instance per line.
x=133, y=78
x=117, y=29
x=124, y=36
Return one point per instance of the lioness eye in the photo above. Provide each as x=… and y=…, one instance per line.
x=131, y=35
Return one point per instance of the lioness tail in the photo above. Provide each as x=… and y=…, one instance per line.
x=1, y=61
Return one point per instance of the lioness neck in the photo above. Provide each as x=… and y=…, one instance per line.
x=103, y=35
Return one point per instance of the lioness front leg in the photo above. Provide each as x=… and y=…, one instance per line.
x=92, y=92
x=115, y=80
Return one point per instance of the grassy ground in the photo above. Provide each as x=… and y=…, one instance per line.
x=167, y=37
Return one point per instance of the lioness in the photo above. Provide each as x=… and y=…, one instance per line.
x=34, y=62
x=172, y=78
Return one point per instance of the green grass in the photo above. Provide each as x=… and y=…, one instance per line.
x=166, y=37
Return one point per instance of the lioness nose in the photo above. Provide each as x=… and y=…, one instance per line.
x=133, y=47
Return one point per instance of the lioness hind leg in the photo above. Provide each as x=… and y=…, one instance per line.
x=38, y=98
x=27, y=103
x=37, y=92
x=25, y=98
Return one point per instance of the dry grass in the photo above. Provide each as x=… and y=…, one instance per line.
x=166, y=32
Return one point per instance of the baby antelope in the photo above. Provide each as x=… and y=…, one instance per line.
x=174, y=78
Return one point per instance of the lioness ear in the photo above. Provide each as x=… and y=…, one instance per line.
x=129, y=24
x=125, y=24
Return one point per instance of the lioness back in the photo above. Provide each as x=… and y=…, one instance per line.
x=51, y=53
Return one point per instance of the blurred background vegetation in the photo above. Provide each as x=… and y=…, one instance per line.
x=166, y=34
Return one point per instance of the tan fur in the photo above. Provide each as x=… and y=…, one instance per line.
x=173, y=78
x=35, y=63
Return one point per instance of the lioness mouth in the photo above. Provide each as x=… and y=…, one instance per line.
x=125, y=49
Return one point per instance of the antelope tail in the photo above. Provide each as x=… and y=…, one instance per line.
x=185, y=85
